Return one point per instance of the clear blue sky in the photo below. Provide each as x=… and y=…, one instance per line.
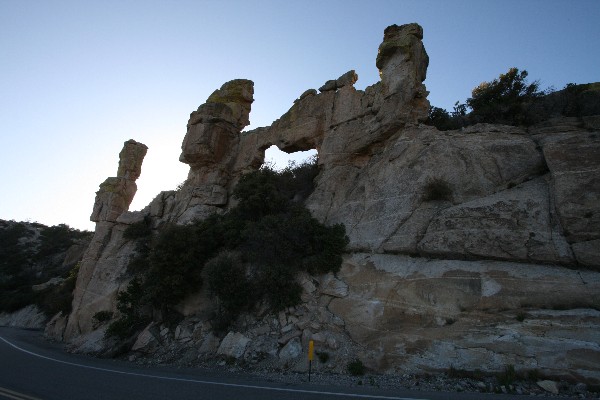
x=78, y=78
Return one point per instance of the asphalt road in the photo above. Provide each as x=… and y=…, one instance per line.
x=33, y=369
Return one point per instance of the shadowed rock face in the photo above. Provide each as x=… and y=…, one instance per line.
x=433, y=277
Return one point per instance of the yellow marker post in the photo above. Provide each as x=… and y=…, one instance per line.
x=311, y=353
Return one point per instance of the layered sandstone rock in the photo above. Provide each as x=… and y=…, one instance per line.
x=419, y=314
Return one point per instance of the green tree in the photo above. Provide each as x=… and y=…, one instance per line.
x=443, y=120
x=504, y=100
x=227, y=279
x=175, y=264
x=131, y=304
x=259, y=195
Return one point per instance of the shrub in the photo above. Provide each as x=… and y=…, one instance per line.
x=14, y=254
x=102, y=316
x=130, y=304
x=266, y=191
x=277, y=283
x=508, y=376
x=16, y=297
x=55, y=239
x=297, y=181
x=138, y=230
x=327, y=246
x=356, y=368
x=129, y=301
x=533, y=375
x=59, y=298
x=259, y=195
x=443, y=120
x=122, y=328
x=437, y=189
x=251, y=254
x=56, y=299
x=174, y=266
x=323, y=356
x=504, y=100
x=138, y=263
x=297, y=240
x=509, y=100
x=26, y=260
x=226, y=279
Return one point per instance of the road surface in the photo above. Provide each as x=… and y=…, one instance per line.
x=33, y=369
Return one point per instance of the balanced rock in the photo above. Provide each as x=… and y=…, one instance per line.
x=348, y=79
x=402, y=59
x=116, y=193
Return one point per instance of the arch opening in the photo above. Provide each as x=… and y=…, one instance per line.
x=279, y=159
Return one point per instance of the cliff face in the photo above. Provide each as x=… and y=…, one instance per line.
x=452, y=234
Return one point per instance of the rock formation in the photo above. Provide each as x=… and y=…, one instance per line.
x=106, y=258
x=430, y=281
x=116, y=193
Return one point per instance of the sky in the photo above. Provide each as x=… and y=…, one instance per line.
x=79, y=78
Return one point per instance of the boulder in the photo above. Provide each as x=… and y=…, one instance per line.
x=328, y=86
x=402, y=61
x=347, y=79
x=147, y=340
x=233, y=345
x=332, y=286
x=549, y=386
x=291, y=351
x=210, y=344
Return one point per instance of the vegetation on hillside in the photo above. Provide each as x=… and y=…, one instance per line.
x=32, y=254
x=511, y=100
x=249, y=255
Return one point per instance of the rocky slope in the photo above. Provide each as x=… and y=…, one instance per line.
x=37, y=270
x=472, y=249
